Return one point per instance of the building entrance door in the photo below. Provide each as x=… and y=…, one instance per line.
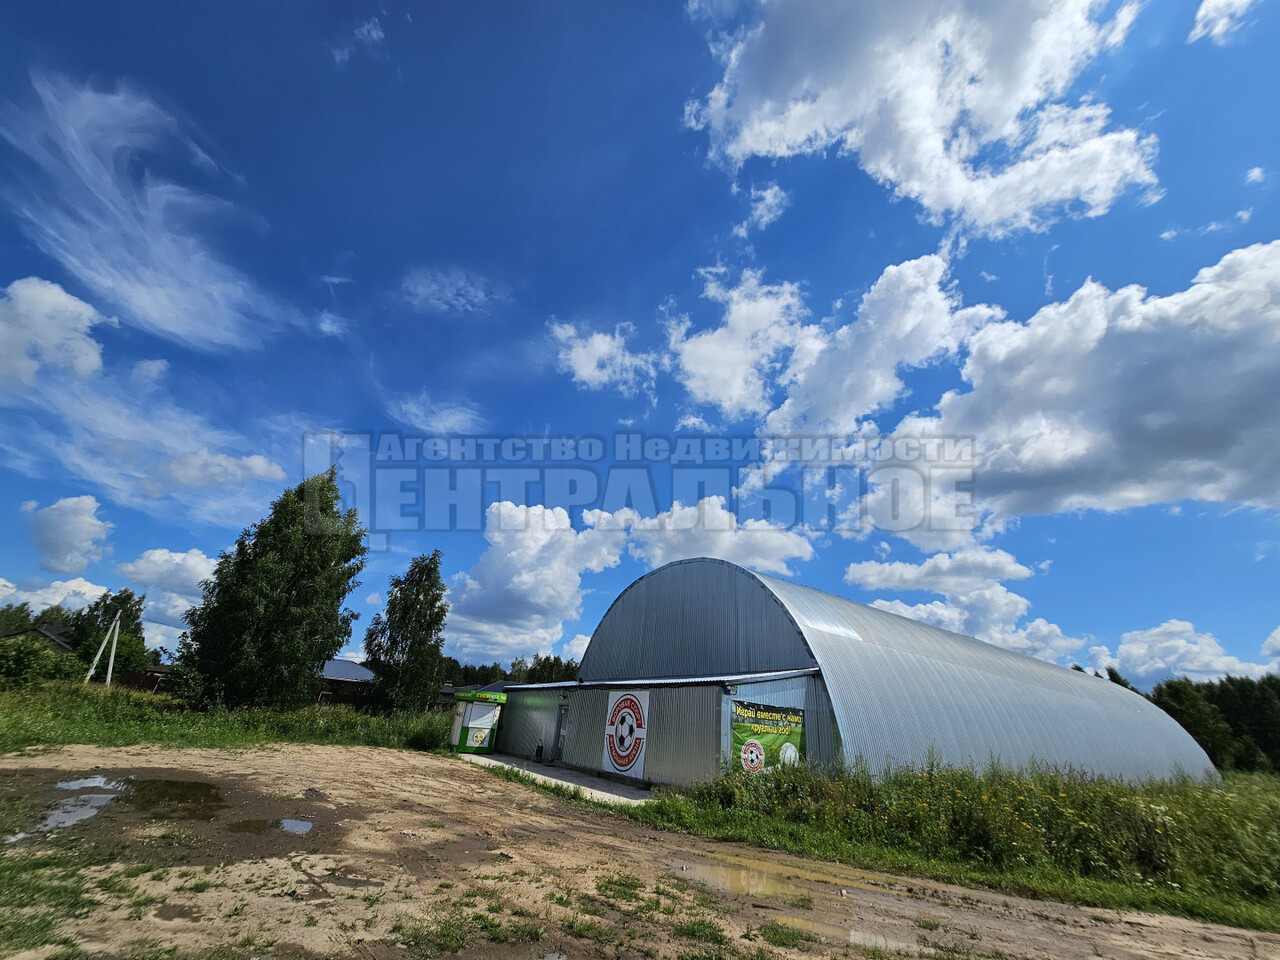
x=562, y=731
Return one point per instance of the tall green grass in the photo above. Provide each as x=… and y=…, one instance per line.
x=1184, y=847
x=63, y=713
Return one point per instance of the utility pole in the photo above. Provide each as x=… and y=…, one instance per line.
x=113, y=634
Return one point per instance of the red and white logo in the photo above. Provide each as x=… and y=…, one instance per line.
x=752, y=756
x=624, y=733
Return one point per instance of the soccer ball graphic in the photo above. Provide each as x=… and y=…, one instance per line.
x=624, y=732
x=752, y=756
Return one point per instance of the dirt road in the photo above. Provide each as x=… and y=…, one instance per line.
x=394, y=853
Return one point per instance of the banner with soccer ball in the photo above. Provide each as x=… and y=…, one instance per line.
x=765, y=736
x=626, y=728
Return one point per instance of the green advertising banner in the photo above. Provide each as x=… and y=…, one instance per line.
x=766, y=736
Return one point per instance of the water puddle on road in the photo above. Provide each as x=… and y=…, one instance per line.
x=736, y=879
x=75, y=809
x=160, y=798
x=93, y=783
x=839, y=934
x=178, y=799
x=829, y=875
x=251, y=826
x=296, y=827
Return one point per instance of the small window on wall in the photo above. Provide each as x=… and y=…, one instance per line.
x=765, y=736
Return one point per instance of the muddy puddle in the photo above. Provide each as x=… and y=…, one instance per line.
x=298, y=828
x=175, y=799
x=156, y=797
x=752, y=876
x=741, y=880
x=78, y=807
x=747, y=876
x=840, y=934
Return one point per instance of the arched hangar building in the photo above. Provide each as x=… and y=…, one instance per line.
x=702, y=664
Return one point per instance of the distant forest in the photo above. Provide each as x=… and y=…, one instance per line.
x=541, y=669
x=1236, y=720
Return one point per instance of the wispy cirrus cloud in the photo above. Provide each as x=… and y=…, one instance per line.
x=436, y=417
x=1218, y=20
x=92, y=194
x=368, y=36
x=119, y=430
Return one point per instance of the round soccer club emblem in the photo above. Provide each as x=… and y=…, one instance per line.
x=626, y=732
x=752, y=756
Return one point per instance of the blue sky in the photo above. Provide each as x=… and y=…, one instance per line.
x=1009, y=269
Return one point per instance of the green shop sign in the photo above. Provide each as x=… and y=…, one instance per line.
x=766, y=736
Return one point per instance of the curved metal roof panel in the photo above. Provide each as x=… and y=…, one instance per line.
x=899, y=688
x=345, y=670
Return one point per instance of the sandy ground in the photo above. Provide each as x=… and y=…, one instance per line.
x=407, y=837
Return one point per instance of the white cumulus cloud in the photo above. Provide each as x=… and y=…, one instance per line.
x=960, y=105
x=575, y=648
x=1177, y=649
x=202, y=468
x=69, y=534
x=169, y=570
x=736, y=365
x=527, y=583
x=909, y=318
x=708, y=529
x=596, y=360
x=1116, y=399
x=975, y=601
x=119, y=430
x=71, y=594
x=42, y=324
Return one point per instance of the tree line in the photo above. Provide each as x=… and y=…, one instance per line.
x=543, y=668
x=273, y=612
x=24, y=658
x=1236, y=720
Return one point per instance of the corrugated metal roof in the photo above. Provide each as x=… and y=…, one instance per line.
x=666, y=681
x=899, y=688
x=695, y=619
x=345, y=670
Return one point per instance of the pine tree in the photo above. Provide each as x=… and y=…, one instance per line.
x=272, y=613
x=402, y=645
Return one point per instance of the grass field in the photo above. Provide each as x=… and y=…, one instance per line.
x=71, y=712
